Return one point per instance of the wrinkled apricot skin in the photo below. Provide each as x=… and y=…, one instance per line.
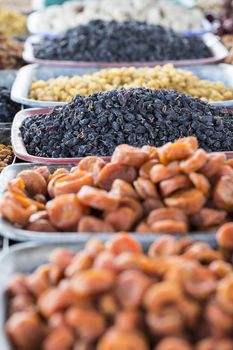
x=223, y=193
x=54, y=300
x=25, y=330
x=190, y=201
x=195, y=162
x=214, y=163
x=130, y=288
x=34, y=182
x=88, y=324
x=160, y=172
x=96, y=198
x=169, y=226
x=113, y=171
x=60, y=338
x=207, y=217
x=115, y=339
x=166, y=214
x=65, y=211
x=121, y=219
x=224, y=293
x=173, y=343
x=72, y=183
x=92, y=165
x=92, y=281
x=14, y=211
x=178, y=182
x=181, y=149
x=145, y=188
x=123, y=243
x=225, y=236
x=123, y=189
x=92, y=224
x=131, y=156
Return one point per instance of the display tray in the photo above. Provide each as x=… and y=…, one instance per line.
x=12, y=232
x=26, y=257
x=21, y=87
x=16, y=260
x=217, y=48
x=34, y=18
x=20, y=149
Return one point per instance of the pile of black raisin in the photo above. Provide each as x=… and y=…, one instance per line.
x=8, y=108
x=121, y=42
x=95, y=124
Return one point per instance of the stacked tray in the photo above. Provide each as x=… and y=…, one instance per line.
x=12, y=232
x=218, y=50
x=25, y=76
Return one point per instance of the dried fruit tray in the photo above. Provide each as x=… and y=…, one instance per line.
x=20, y=149
x=33, y=19
x=25, y=76
x=12, y=232
x=15, y=260
x=218, y=50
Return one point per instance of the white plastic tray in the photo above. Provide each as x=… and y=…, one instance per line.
x=34, y=17
x=219, y=52
x=21, y=258
x=10, y=231
x=26, y=257
x=20, y=89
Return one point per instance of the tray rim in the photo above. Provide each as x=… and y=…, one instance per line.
x=10, y=231
x=28, y=249
x=20, y=149
x=10, y=257
x=218, y=49
x=25, y=74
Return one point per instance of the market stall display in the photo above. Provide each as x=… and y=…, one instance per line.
x=176, y=188
x=58, y=19
x=65, y=88
x=115, y=296
x=138, y=147
x=11, y=51
x=96, y=124
x=129, y=41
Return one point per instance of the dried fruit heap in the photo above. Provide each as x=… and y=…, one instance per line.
x=172, y=189
x=12, y=23
x=11, y=51
x=8, y=108
x=112, y=41
x=96, y=124
x=113, y=296
x=6, y=156
x=64, y=88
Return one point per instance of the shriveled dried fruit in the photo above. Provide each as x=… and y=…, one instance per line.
x=190, y=201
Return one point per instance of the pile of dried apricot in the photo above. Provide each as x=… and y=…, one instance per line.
x=113, y=296
x=175, y=188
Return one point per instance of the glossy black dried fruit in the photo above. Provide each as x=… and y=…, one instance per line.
x=128, y=41
x=136, y=116
x=8, y=108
